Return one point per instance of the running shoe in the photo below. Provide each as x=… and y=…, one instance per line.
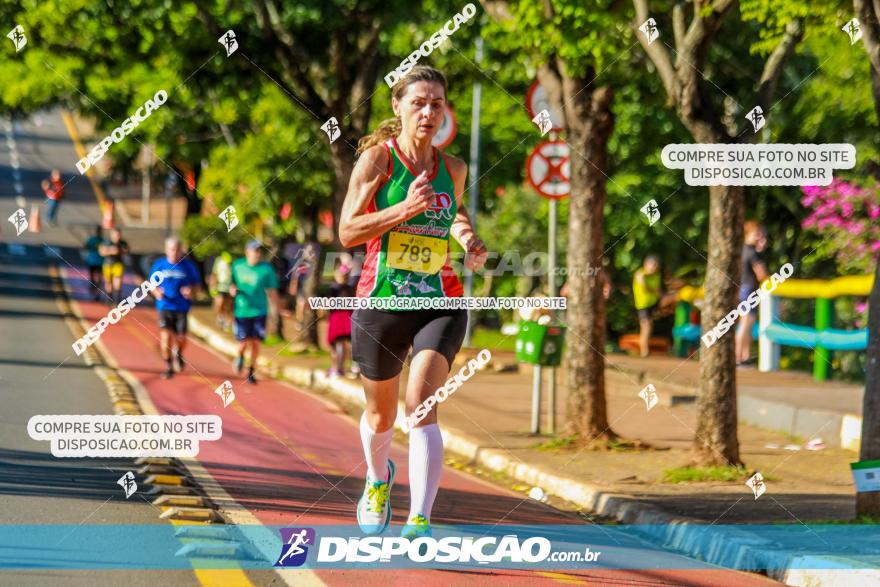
x=374, y=507
x=250, y=378
x=239, y=364
x=167, y=374
x=178, y=361
x=416, y=527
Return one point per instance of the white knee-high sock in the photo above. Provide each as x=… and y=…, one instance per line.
x=376, y=448
x=425, y=467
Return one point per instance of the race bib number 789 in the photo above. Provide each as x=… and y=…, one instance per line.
x=410, y=252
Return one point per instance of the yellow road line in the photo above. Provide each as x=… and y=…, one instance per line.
x=302, y=452
x=215, y=577
x=140, y=336
x=81, y=151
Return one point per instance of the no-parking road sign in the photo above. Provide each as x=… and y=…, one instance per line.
x=538, y=100
x=549, y=171
x=448, y=129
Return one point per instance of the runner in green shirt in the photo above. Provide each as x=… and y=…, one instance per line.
x=254, y=286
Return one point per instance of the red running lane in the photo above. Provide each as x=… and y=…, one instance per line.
x=294, y=459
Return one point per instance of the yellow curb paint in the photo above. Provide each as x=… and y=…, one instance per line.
x=562, y=577
x=81, y=151
x=186, y=501
x=188, y=513
x=166, y=480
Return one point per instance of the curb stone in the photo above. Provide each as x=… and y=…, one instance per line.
x=735, y=549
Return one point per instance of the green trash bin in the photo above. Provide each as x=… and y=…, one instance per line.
x=538, y=344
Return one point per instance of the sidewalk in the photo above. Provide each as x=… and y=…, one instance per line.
x=487, y=420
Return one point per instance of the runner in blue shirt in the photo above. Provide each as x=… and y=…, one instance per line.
x=181, y=280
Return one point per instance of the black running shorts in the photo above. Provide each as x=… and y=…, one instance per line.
x=173, y=321
x=380, y=340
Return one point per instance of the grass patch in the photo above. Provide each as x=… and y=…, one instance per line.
x=859, y=520
x=557, y=443
x=485, y=338
x=307, y=353
x=272, y=340
x=621, y=445
x=701, y=474
x=570, y=441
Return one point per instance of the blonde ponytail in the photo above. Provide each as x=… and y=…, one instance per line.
x=387, y=129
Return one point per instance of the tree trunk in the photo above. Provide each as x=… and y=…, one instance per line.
x=715, y=442
x=307, y=330
x=590, y=127
x=868, y=504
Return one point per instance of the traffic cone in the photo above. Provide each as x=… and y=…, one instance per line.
x=107, y=220
x=34, y=222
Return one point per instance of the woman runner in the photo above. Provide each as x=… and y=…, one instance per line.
x=405, y=201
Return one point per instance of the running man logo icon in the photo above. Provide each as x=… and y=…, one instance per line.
x=230, y=217
x=331, y=127
x=128, y=484
x=652, y=211
x=440, y=209
x=756, y=117
x=403, y=289
x=649, y=394
x=17, y=37
x=543, y=122
x=424, y=287
x=756, y=484
x=229, y=42
x=649, y=28
x=294, y=546
x=19, y=221
x=854, y=30
x=225, y=392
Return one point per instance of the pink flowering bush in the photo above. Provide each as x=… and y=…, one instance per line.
x=847, y=217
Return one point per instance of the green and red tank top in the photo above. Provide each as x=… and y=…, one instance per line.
x=412, y=259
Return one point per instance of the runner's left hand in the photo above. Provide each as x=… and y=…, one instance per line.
x=186, y=292
x=476, y=254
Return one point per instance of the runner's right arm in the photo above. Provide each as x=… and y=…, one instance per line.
x=157, y=291
x=356, y=226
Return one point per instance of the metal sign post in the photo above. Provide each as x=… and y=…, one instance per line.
x=548, y=171
x=473, y=192
x=536, y=400
x=551, y=246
